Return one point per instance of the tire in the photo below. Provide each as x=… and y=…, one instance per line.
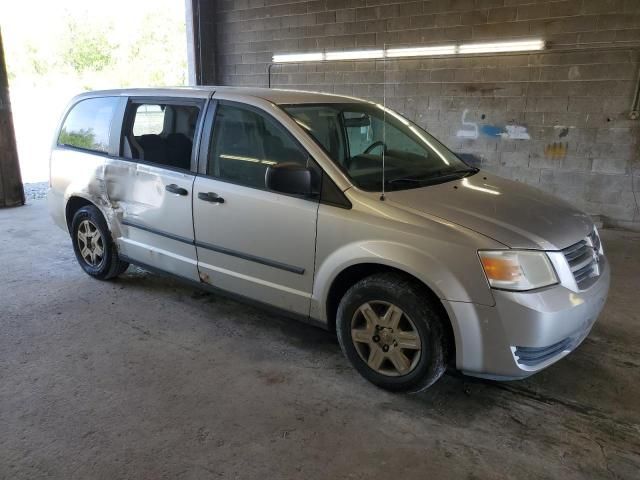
x=420, y=325
x=88, y=223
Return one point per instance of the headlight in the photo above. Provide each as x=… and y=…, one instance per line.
x=517, y=269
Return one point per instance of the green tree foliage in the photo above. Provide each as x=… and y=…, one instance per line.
x=38, y=62
x=87, y=47
x=84, y=138
x=154, y=56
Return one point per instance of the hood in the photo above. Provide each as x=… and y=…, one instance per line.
x=510, y=212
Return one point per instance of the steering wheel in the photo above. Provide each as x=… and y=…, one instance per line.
x=374, y=145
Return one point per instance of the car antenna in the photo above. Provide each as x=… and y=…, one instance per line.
x=384, y=113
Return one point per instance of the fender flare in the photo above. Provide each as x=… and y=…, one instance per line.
x=88, y=198
x=440, y=279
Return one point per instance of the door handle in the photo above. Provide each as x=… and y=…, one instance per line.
x=210, y=197
x=173, y=188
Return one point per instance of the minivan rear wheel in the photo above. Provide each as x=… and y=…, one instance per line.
x=93, y=245
x=392, y=333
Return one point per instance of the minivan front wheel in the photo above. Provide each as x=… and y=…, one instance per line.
x=93, y=244
x=392, y=333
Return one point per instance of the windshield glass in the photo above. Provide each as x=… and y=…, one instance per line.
x=357, y=136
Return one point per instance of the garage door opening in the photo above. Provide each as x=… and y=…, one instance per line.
x=72, y=46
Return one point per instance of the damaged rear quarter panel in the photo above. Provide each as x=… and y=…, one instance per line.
x=75, y=173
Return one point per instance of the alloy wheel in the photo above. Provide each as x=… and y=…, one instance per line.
x=386, y=338
x=90, y=243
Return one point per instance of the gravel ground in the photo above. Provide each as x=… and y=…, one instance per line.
x=35, y=191
x=147, y=378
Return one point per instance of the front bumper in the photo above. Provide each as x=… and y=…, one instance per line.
x=525, y=332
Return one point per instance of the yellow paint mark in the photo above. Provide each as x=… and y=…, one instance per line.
x=556, y=150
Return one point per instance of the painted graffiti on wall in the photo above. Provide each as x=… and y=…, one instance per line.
x=556, y=150
x=515, y=132
x=471, y=130
x=491, y=130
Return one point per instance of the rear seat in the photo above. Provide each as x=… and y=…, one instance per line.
x=173, y=151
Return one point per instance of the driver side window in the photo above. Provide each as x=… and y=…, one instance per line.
x=246, y=142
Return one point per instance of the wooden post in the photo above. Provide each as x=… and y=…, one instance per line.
x=11, y=189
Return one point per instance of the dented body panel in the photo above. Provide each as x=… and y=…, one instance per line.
x=77, y=174
x=141, y=206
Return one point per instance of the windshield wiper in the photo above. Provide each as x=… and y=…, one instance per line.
x=404, y=179
x=445, y=173
x=439, y=174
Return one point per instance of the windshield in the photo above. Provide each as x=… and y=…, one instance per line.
x=357, y=136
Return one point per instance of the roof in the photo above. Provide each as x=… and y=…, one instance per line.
x=273, y=95
x=280, y=96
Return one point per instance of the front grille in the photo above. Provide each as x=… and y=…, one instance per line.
x=532, y=356
x=583, y=258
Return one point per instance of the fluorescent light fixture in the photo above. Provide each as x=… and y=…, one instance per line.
x=465, y=48
x=298, y=57
x=354, y=54
x=496, y=47
x=421, y=51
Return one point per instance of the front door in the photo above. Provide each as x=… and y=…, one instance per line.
x=250, y=241
x=151, y=184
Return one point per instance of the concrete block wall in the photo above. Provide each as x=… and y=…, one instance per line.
x=557, y=119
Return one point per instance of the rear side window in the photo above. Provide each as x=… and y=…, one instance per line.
x=88, y=124
x=160, y=133
x=149, y=120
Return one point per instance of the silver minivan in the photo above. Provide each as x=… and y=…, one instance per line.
x=336, y=211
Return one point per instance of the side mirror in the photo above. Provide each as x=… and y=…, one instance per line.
x=289, y=178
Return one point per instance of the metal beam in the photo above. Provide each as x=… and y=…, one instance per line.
x=11, y=189
x=201, y=32
x=192, y=29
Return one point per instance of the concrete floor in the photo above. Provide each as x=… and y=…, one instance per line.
x=146, y=378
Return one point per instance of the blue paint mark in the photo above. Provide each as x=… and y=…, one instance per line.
x=491, y=130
